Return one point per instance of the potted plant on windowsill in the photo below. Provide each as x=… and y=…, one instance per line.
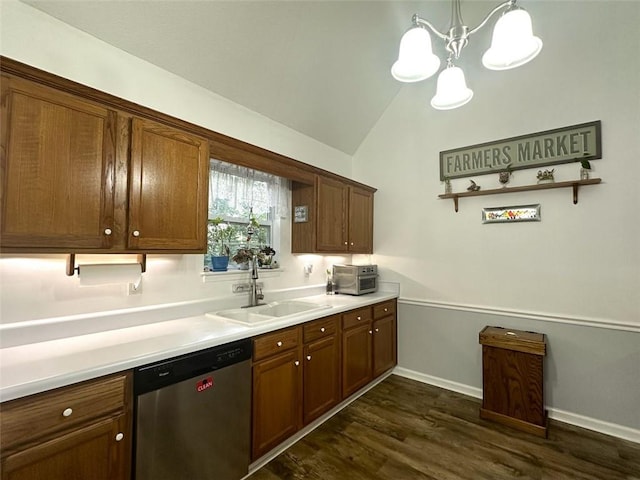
x=244, y=255
x=219, y=236
x=267, y=260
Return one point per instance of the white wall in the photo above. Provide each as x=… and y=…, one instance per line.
x=35, y=286
x=580, y=264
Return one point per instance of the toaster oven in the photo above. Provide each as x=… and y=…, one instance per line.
x=356, y=279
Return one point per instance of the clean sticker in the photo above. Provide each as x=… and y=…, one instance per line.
x=204, y=384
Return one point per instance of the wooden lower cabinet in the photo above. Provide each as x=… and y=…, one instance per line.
x=277, y=393
x=302, y=372
x=82, y=431
x=92, y=452
x=368, y=345
x=384, y=345
x=321, y=361
x=356, y=358
x=291, y=388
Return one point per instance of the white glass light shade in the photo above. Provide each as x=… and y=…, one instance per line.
x=452, y=91
x=416, y=60
x=513, y=43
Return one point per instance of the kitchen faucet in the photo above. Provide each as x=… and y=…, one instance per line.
x=256, y=292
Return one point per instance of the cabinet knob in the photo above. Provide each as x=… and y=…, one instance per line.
x=346, y=243
x=359, y=317
x=386, y=309
x=308, y=357
x=279, y=344
x=322, y=329
x=377, y=330
x=119, y=436
x=67, y=412
x=370, y=332
x=352, y=244
x=135, y=233
x=107, y=231
x=296, y=363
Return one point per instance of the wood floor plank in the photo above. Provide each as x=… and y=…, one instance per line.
x=406, y=430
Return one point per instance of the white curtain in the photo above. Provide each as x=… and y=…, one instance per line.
x=234, y=190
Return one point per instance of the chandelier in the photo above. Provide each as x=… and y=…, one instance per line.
x=512, y=45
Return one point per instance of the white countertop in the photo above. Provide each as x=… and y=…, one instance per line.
x=37, y=367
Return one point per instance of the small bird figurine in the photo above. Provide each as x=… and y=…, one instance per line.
x=473, y=187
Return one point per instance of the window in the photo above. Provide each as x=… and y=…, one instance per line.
x=238, y=195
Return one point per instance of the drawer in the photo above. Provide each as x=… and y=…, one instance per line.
x=324, y=327
x=276, y=342
x=356, y=317
x=383, y=309
x=37, y=416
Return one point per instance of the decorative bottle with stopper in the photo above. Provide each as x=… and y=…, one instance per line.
x=330, y=290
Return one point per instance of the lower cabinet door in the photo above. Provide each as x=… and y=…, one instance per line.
x=98, y=452
x=384, y=345
x=356, y=358
x=321, y=360
x=276, y=401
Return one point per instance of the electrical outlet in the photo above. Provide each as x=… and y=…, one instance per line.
x=134, y=289
x=240, y=287
x=308, y=269
x=244, y=287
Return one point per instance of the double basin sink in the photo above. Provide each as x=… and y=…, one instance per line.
x=266, y=312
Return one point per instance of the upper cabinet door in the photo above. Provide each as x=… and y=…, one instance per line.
x=57, y=169
x=167, y=189
x=332, y=216
x=360, y=220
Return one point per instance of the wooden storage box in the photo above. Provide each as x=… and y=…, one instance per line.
x=512, y=379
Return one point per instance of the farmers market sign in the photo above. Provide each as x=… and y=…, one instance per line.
x=551, y=147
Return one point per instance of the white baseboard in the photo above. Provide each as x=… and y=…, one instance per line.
x=613, y=429
x=439, y=382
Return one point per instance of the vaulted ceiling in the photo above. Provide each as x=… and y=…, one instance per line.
x=318, y=67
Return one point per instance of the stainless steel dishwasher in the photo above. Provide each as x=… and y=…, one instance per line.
x=193, y=415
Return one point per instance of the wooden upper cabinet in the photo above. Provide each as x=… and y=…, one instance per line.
x=168, y=188
x=79, y=177
x=57, y=169
x=339, y=217
x=332, y=218
x=360, y=220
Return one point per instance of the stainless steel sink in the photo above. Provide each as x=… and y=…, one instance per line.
x=269, y=311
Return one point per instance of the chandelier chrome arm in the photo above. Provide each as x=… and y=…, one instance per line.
x=508, y=4
x=457, y=36
x=418, y=21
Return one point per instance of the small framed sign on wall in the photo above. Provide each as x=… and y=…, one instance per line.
x=300, y=214
x=522, y=213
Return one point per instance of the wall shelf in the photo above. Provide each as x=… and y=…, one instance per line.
x=574, y=184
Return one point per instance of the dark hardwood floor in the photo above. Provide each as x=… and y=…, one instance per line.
x=406, y=430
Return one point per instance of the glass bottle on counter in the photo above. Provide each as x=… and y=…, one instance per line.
x=331, y=286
